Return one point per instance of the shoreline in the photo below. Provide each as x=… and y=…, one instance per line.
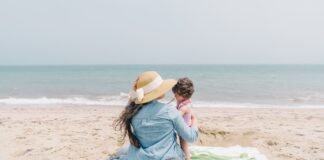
x=86, y=132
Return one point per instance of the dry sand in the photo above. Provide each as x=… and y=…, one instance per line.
x=46, y=133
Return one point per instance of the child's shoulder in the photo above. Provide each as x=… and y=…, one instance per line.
x=186, y=107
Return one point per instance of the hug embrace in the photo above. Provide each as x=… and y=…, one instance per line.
x=152, y=127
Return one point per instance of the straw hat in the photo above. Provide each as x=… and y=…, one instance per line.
x=149, y=86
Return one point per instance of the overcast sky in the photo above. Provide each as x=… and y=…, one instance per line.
x=50, y=32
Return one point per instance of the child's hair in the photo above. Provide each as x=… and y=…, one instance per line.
x=184, y=88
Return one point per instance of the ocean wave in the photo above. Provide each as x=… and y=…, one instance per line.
x=114, y=100
x=62, y=101
x=122, y=100
x=203, y=104
x=315, y=97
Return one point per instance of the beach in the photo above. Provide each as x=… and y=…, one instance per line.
x=68, y=68
x=69, y=132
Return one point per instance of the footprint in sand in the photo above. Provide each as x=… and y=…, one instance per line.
x=47, y=148
x=21, y=152
x=94, y=134
x=97, y=129
x=272, y=143
x=318, y=131
x=248, y=133
x=298, y=147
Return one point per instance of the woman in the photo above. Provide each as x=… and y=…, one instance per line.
x=152, y=126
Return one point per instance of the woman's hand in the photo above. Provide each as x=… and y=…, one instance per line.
x=194, y=122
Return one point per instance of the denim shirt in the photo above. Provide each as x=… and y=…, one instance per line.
x=156, y=126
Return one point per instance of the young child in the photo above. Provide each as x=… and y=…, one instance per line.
x=183, y=91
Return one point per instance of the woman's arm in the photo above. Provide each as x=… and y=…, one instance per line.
x=187, y=133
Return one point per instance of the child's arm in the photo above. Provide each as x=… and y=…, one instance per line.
x=184, y=109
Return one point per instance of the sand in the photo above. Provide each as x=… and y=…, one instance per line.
x=46, y=133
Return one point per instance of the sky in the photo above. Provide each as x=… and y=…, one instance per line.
x=64, y=32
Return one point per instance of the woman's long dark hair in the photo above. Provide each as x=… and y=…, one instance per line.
x=123, y=123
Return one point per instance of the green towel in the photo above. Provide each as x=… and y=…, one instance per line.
x=207, y=155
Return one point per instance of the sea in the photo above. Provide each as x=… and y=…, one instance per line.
x=237, y=86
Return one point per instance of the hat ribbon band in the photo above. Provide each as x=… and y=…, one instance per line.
x=139, y=93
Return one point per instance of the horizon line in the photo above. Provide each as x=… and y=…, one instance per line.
x=162, y=64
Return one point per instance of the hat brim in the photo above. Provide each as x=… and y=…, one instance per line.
x=162, y=89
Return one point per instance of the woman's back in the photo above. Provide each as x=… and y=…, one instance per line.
x=155, y=126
